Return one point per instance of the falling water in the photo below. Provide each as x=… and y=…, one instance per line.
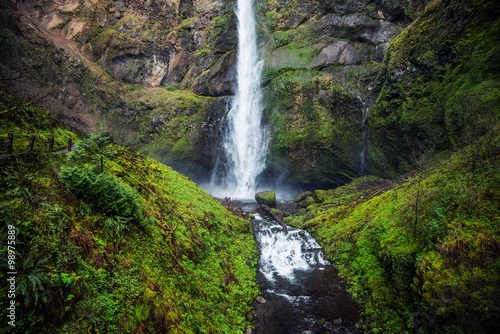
x=245, y=141
x=362, y=155
x=282, y=254
x=364, y=116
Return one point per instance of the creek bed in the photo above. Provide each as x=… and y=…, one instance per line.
x=302, y=291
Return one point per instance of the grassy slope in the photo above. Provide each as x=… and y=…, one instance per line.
x=157, y=255
x=421, y=254
x=24, y=119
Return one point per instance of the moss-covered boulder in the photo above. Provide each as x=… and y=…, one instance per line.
x=266, y=197
x=304, y=199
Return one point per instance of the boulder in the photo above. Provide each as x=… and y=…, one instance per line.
x=304, y=199
x=260, y=300
x=266, y=197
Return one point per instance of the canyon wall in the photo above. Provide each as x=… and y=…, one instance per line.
x=350, y=87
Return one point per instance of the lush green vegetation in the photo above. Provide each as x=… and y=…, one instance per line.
x=24, y=119
x=111, y=241
x=314, y=120
x=167, y=125
x=441, y=85
x=421, y=253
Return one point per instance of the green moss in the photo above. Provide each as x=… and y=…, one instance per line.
x=266, y=197
x=202, y=52
x=121, y=243
x=420, y=253
x=436, y=69
x=315, y=123
x=25, y=119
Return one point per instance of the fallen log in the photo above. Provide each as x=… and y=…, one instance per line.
x=274, y=215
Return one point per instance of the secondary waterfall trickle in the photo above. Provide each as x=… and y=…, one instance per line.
x=245, y=141
x=364, y=117
x=362, y=155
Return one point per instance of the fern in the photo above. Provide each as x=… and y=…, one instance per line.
x=115, y=226
x=106, y=193
x=34, y=285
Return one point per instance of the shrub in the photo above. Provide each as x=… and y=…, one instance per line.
x=105, y=192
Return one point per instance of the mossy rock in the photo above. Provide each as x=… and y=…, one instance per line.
x=302, y=196
x=266, y=197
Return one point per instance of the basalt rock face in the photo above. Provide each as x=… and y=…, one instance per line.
x=320, y=77
x=102, y=63
x=371, y=87
x=147, y=42
x=348, y=85
x=439, y=86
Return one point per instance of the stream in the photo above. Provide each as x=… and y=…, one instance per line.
x=302, y=291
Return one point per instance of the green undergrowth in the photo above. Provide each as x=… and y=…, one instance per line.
x=421, y=253
x=441, y=87
x=24, y=119
x=111, y=241
x=168, y=125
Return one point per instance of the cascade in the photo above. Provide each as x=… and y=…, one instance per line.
x=245, y=140
x=364, y=117
x=302, y=290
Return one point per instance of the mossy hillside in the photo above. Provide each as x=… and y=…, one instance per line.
x=109, y=240
x=421, y=253
x=315, y=126
x=124, y=108
x=64, y=80
x=25, y=119
x=441, y=85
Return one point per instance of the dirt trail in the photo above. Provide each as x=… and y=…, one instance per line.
x=55, y=36
x=76, y=114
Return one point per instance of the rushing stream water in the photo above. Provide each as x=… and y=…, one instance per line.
x=302, y=291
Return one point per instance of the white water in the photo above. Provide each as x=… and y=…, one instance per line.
x=282, y=253
x=364, y=116
x=245, y=142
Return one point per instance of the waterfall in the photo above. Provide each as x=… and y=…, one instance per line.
x=362, y=155
x=364, y=116
x=245, y=140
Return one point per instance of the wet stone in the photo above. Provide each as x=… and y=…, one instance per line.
x=260, y=300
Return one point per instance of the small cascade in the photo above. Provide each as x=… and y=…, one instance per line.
x=362, y=155
x=301, y=289
x=283, y=253
x=364, y=115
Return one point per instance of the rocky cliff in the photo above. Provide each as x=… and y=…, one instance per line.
x=350, y=86
x=107, y=58
x=321, y=67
